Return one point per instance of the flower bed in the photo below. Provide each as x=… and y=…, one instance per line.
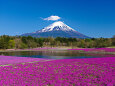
x=96, y=49
x=65, y=72
x=13, y=59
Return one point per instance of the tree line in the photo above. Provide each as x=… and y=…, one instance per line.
x=18, y=42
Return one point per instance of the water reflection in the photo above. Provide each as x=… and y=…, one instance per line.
x=54, y=54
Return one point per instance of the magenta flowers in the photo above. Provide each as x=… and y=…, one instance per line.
x=13, y=59
x=96, y=49
x=65, y=72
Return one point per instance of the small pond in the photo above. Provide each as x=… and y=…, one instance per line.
x=66, y=54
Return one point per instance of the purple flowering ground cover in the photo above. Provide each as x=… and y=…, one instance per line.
x=64, y=72
x=5, y=60
x=96, y=49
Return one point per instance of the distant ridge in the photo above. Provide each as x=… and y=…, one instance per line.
x=57, y=29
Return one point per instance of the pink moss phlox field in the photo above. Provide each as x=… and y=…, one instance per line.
x=96, y=49
x=65, y=72
x=13, y=59
x=101, y=55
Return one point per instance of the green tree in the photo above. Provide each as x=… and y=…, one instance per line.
x=17, y=43
x=113, y=40
x=4, y=42
x=40, y=42
x=11, y=44
x=82, y=44
x=31, y=44
x=24, y=39
x=23, y=46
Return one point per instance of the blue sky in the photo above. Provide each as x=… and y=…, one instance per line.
x=94, y=18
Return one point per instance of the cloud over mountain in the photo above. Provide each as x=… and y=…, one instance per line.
x=52, y=18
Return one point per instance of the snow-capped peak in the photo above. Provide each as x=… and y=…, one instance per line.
x=56, y=26
x=58, y=23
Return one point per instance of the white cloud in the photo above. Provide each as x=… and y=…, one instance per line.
x=53, y=18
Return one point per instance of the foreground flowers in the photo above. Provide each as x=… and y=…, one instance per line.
x=65, y=72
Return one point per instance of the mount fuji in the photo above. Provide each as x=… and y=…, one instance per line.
x=57, y=29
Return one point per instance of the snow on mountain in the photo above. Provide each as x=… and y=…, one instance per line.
x=57, y=29
x=56, y=26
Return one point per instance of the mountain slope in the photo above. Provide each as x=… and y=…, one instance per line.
x=56, y=26
x=57, y=29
